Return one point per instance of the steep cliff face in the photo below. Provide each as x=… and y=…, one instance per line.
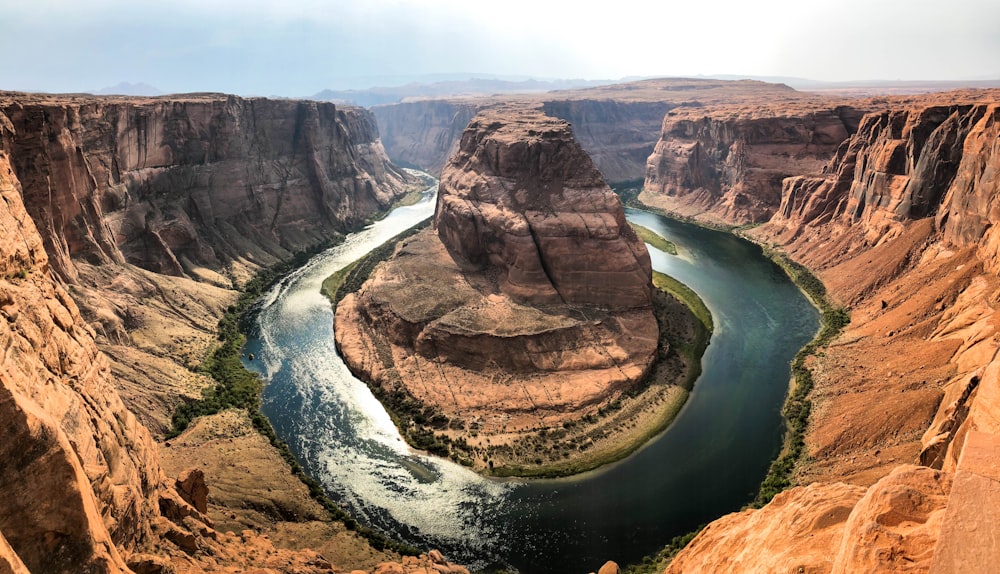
x=728, y=162
x=521, y=196
x=424, y=133
x=147, y=212
x=898, y=227
x=80, y=475
x=155, y=209
x=529, y=303
x=901, y=166
x=618, y=124
x=619, y=135
x=174, y=185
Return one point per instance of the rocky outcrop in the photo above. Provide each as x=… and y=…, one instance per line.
x=829, y=528
x=424, y=133
x=521, y=196
x=900, y=167
x=897, y=228
x=171, y=185
x=149, y=212
x=728, y=163
x=618, y=134
x=79, y=482
x=155, y=209
x=529, y=303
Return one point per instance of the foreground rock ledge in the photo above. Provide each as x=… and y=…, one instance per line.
x=525, y=309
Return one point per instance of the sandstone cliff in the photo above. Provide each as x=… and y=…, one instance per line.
x=174, y=185
x=153, y=210
x=897, y=225
x=617, y=125
x=79, y=481
x=148, y=212
x=729, y=161
x=527, y=305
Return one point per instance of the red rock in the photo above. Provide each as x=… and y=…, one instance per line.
x=191, y=486
x=522, y=197
x=530, y=300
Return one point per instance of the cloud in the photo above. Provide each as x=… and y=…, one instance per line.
x=298, y=47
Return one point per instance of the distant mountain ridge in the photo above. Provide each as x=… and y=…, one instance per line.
x=471, y=87
x=129, y=89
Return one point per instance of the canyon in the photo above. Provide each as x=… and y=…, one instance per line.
x=617, y=125
x=128, y=224
x=896, y=225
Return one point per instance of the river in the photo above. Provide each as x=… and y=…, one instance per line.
x=709, y=462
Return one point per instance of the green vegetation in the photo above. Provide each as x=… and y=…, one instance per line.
x=411, y=198
x=352, y=277
x=654, y=239
x=237, y=387
x=332, y=283
x=685, y=295
x=798, y=406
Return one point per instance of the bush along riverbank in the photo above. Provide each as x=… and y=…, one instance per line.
x=798, y=406
x=237, y=387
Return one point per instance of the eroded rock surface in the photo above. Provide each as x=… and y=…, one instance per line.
x=896, y=227
x=727, y=163
x=821, y=528
x=527, y=305
x=618, y=124
x=81, y=487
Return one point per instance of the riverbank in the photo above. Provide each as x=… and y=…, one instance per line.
x=604, y=433
x=833, y=320
x=797, y=406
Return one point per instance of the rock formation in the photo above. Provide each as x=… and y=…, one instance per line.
x=730, y=161
x=170, y=201
x=617, y=125
x=521, y=196
x=173, y=185
x=898, y=227
x=79, y=482
x=529, y=302
x=154, y=209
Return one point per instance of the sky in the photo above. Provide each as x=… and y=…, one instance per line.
x=299, y=47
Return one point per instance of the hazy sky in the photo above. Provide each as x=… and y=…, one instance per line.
x=299, y=47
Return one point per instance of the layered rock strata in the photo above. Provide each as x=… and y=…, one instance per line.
x=529, y=302
x=114, y=202
x=898, y=227
x=729, y=162
x=618, y=125
x=80, y=476
x=155, y=209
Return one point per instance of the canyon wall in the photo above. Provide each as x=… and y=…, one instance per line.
x=80, y=475
x=126, y=225
x=153, y=210
x=728, y=162
x=618, y=135
x=617, y=125
x=171, y=185
x=898, y=227
x=522, y=196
